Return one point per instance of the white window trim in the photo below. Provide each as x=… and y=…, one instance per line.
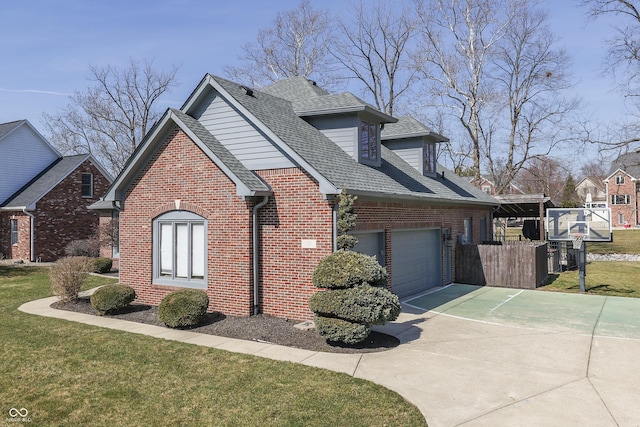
x=627, y=199
x=619, y=179
x=16, y=232
x=174, y=218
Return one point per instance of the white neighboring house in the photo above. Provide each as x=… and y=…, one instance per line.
x=592, y=192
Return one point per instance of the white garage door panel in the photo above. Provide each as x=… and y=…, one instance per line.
x=415, y=260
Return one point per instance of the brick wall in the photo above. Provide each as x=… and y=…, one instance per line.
x=628, y=211
x=179, y=170
x=376, y=216
x=296, y=212
x=62, y=215
x=22, y=250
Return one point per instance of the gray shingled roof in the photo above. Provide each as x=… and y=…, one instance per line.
x=5, y=128
x=45, y=181
x=629, y=162
x=248, y=178
x=408, y=127
x=395, y=178
x=336, y=103
x=295, y=89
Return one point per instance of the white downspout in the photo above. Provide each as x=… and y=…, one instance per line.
x=256, y=254
x=32, y=234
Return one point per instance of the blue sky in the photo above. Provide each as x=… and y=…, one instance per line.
x=47, y=45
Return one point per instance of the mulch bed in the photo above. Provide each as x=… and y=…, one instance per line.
x=261, y=328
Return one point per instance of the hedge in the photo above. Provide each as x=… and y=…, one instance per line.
x=364, y=304
x=346, y=269
x=339, y=330
x=111, y=298
x=102, y=265
x=183, y=308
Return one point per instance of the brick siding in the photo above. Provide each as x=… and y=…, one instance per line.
x=60, y=217
x=629, y=211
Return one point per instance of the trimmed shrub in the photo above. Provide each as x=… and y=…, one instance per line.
x=183, y=308
x=102, y=265
x=339, y=330
x=67, y=276
x=346, y=269
x=87, y=248
x=364, y=304
x=111, y=298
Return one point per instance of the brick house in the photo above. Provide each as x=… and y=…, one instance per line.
x=622, y=190
x=489, y=187
x=235, y=193
x=44, y=197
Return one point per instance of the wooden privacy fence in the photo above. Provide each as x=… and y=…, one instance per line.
x=521, y=265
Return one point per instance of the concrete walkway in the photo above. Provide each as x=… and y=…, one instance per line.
x=469, y=371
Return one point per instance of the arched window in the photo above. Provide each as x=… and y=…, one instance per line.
x=180, y=250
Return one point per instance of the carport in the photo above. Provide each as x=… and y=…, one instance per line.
x=524, y=206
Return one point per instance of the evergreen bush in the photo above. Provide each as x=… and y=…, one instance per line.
x=339, y=330
x=346, y=269
x=111, y=298
x=183, y=308
x=364, y=304
x=102, y=265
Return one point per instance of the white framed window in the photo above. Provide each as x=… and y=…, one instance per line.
x=87, y=185
x=429, y=158
x=620, y=199
x=486, y=189
x=620, y=218
x=619, y=179
x=369, y=142
x=180, y=250
x=14, y=231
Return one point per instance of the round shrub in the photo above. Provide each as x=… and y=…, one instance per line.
x=363, y=304
x=183, y=308
x=111, y=298
x=102, y=265
x=339, y=330
x=346, y=269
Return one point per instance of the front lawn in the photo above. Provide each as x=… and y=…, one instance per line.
x=613, y=278
x=624, y=242
x=65, y=373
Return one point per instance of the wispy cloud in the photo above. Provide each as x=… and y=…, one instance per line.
x=36, y=91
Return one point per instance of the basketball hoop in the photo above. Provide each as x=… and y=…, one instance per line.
x=577, y=240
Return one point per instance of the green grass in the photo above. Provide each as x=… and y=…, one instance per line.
x=624, y=242
x=611, y=278
x=67, y=373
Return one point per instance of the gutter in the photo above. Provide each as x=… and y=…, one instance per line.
x=256, y=298
x=32, y=232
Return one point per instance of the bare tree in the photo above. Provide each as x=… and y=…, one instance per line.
x=546, y=175
x=110, y=118
x=623, y=61
x=458, y=37
x=295, y=45
x=375, y=49
x=596, y=169
x=529, y=79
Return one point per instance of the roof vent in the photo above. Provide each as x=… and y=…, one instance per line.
x=247, y=90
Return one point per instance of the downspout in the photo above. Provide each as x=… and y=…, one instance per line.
x=32, y=233
x=335, y=227
x=256, y=254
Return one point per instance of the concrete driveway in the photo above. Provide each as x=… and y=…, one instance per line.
x=504, y=357
x=475, y=356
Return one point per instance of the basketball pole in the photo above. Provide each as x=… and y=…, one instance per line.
x=582, y=266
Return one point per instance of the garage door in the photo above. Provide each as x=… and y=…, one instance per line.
x=415, y=261
x=371, y=244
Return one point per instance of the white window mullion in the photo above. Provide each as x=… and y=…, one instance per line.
x=166, y=249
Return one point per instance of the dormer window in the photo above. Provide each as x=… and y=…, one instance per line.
x=369, y=143
x=429, y=152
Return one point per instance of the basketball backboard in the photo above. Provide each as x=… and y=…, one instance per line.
x=594, y=224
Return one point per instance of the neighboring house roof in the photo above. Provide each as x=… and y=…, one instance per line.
x=31, y=193
x=305, y=145
x=408, y=127
x=591, y=181
x=295, y=89
x=5, y=128
x=629, y=163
